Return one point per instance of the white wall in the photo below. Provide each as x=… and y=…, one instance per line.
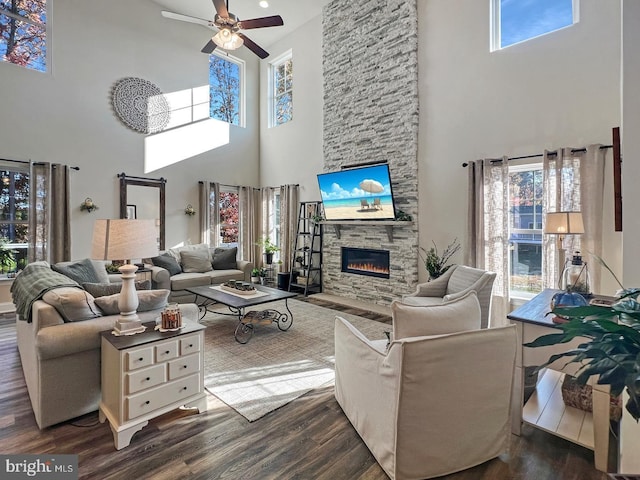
x=559, y=90
x=66, y=116
x=292, y=152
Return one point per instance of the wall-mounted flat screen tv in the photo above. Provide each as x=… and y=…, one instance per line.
x=362, y=193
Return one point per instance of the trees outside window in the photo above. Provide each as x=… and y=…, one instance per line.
x=226, y=89
x=229, y=221
x=14, y=218
x=23, y=33
x=281, y=90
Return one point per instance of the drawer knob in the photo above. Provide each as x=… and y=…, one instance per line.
x=166, y=352
x=190, y=345
x=184, y=388
x=148, y=378
x=140, y=359
x=184, y=366
x=147, y=402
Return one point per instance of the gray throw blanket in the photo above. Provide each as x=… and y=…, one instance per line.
x=32, y=283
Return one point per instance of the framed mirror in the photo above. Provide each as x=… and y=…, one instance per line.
x=139, y=195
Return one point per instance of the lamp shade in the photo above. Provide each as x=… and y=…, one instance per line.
x=123, y=239
x=563, y=223
x=227, y=39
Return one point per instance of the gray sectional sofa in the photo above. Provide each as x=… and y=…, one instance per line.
x=194, y=265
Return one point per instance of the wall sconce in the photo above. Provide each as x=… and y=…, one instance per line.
x=190, y=211
x=88, y=205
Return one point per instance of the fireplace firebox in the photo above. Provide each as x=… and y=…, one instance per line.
x=365, y=261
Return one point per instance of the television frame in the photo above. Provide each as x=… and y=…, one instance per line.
x=344, y=198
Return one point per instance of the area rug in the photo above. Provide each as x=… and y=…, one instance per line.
x=274, y=367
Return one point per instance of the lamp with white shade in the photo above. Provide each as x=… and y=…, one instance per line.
x=124, y=239
x=562, y=224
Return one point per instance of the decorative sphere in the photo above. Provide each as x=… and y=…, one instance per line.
x=566, y=299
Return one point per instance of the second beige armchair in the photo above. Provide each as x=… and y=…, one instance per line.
x=455, y=283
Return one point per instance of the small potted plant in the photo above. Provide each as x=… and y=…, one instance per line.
x=268, y=249
x=435, y=263
x=255, y=275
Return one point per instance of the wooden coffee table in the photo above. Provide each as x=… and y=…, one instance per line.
x=210, y=295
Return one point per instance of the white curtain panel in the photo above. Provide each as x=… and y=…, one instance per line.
x=487, y=243
x=574, y=181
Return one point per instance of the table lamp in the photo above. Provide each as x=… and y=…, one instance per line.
x=561, y=224
x=123, y=239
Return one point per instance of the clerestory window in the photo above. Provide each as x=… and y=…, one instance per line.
x=23, y=33
x=281, y=90
x=226, y=89
x=515, y=21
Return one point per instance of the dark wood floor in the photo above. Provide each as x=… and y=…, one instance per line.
x=307, y=439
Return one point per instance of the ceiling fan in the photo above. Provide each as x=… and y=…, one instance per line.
x=228, y=25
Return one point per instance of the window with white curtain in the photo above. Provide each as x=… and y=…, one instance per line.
x=14, y=218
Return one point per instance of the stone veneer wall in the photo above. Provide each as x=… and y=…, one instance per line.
x=370, y=68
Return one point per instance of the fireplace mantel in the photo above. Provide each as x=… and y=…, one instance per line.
x=388, y=225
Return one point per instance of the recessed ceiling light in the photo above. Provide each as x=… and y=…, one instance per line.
x=264, y=4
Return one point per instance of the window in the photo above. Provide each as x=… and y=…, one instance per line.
x=229, y=212
x=14, y=218
x=525, y=230
x=281, y=90
x=23, y=33
x=515, y=21
x=226, y=89
x=277, y=235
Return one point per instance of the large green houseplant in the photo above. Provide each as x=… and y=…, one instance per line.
x=436, y=263
x=613, y=348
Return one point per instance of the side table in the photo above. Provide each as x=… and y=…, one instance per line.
x=149, y=374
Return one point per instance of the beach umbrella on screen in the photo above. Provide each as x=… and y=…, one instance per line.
x=371, y=186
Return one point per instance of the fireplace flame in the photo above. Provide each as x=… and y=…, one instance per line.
x=368, y=267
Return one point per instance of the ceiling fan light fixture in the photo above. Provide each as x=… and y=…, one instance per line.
x=227, y=40
x=264, y=4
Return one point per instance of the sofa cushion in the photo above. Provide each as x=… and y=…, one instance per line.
x=167, y=262
x=187, y=280
x=148, y=300
x=225, y=258
x=195, y=261
x=73, y=304
x=175, y=252
x=221, y=276
x=82, y=271
x=436, y=319
x=104, y=289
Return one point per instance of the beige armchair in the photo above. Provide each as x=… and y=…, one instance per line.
x=427, y=406
x=456, y=282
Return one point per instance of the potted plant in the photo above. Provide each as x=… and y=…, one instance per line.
x=7, y=258
x=613, y=348
x=255, y=275
x=268, y=249
x=435, y=263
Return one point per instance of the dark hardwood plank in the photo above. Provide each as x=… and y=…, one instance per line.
x=309, y=438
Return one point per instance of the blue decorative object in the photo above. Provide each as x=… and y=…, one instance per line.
x=566, y=299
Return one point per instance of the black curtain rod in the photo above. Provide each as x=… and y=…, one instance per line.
x=35, y=163
x=573, y=150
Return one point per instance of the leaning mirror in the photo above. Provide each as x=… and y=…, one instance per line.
x=144, y=198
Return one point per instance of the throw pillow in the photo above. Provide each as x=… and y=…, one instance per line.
x=195, y=261
x=82, y=271
x=73, y=304
x=225, y=258
x=148, y=300
x=104, y=289
x=168, y=262
x=448, y=317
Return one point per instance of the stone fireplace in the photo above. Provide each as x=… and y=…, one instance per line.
x=371, y=116
x=365, y=261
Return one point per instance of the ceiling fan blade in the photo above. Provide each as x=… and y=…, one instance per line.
x=186, y=18
x=254, y=47
x=221, y=8
x=273, y=21
x=209, y=47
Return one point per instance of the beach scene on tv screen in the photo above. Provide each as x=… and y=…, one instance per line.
x=358, y=194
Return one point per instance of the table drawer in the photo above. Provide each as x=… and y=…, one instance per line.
x=140, y=357
x=147, y=378
x=190, y=344
x=184, y=366
x=162, y=396
x=166, y=351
